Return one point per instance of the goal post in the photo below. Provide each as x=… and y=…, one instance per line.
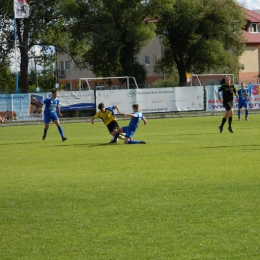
x=105, y=78
x=211, y=77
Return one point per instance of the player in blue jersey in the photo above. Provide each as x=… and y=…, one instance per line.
x=51, y=112
x=242, y=102
x=129, y=130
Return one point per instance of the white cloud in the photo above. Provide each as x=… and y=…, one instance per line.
x=250, y=4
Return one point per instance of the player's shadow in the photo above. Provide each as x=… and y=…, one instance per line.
x=196, y=134
x=84, y=145
x=5, y=144
x=235, y=145
x=98, y=144
x=213, y=147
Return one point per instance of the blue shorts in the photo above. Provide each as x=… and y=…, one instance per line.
x=48, y=118
x=243, y=104
x=129, y=132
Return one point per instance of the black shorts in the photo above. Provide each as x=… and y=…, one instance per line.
x=112, y=125
x=228, y=105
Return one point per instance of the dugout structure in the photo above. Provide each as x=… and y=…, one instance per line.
x=87, y=80
x=208, y=79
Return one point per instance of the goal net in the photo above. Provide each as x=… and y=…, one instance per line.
x=208, y=79
x=100, y=82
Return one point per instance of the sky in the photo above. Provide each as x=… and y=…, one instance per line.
x=250, y=4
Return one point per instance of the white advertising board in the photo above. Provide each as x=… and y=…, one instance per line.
x=155, y=99
x=78, y=100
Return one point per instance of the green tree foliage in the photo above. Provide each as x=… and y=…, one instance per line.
x=118, y=32
x=6, y=25
x=200, y=35
x=7, y=79
x=44, y=27
x=165, y=83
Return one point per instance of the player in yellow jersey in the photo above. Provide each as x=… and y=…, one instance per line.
x=107, y=115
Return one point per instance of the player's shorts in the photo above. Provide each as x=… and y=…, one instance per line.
x=129, y=132
x=48, y=118
x=228, y=105
x=112, y=125
x=242, y=103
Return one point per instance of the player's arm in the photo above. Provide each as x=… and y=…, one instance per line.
x=145, y=121
x=219, y=96
x=46, y=101
x=58, y=111
x=235, y=91
x=118, y=110
x=131, y=115
x=95, y=117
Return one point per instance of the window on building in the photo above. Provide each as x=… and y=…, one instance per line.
x=64, y=65
x=146, y=60
x=82, y=65
x=254, y=28
x=62, y=73
x=156, y=59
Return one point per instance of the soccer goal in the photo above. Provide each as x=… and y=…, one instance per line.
x=86, y=80
x=209, y=79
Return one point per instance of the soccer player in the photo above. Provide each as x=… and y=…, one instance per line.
x=129, y=130
x=228, y=90
x=242, y=102
x=108, y=117
x=51, y=112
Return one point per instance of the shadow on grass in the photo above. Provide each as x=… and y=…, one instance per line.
x=228, y=146
x=220, y=146
x=19, y=143
x=96, y=144
x=82, y=145
x=203, y=133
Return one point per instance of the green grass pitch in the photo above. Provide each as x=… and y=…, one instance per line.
x=189, y=193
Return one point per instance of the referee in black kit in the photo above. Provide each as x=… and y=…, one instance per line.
x=228, y=90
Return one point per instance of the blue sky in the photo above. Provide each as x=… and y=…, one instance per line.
x=250, y=4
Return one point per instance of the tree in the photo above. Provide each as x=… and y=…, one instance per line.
x=164, y=83
x=44, y=27
x=200, y=35
x=116, y=31
x=7, y=79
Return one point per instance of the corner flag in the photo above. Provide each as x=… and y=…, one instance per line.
x=21, y=9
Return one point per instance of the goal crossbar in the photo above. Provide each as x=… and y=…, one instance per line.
x=124, y=77
x=208, y=75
